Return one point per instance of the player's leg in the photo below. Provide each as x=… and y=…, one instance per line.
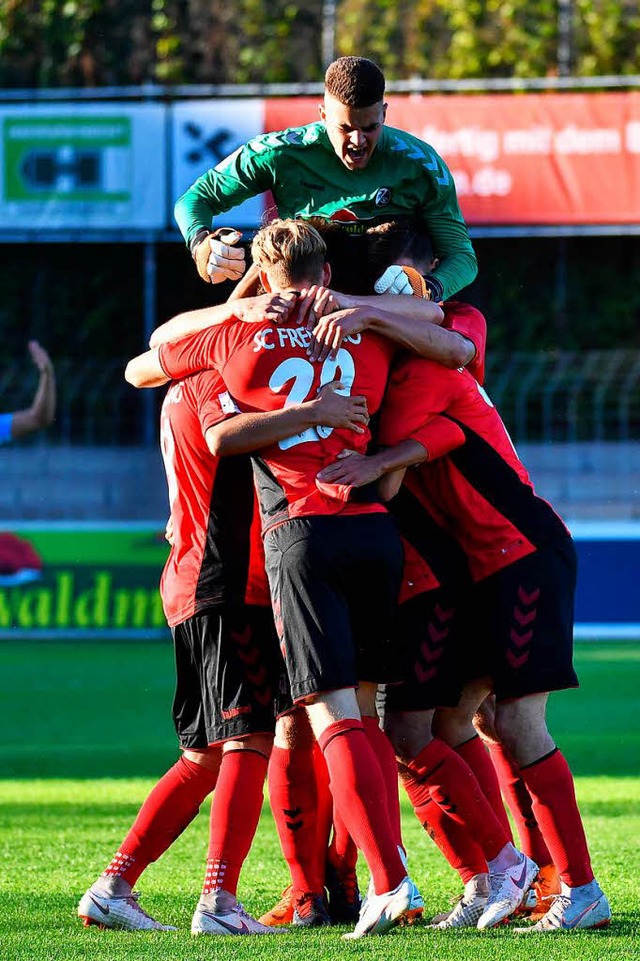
x=433, y=774
x=315, y=565
x=548, y=779
x=170, y=807
x=534, y=627
x=341, y=879
x=518, y=799
x=239, y=676
x=383, y=749
x=301, y=805
x=167, y=811
x=235, y=812
x=360, y=798
x=456, y=727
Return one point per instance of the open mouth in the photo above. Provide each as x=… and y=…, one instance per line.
x=356, y=154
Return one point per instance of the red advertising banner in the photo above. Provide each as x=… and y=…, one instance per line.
x=550, y=158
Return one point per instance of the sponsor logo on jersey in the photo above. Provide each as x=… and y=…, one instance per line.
x=344, y=215
x=382, y=197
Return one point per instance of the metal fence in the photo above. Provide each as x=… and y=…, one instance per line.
x=567, y=396
x=544, y=397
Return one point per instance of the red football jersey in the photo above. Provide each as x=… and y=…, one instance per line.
x=474, y=485
x=211, y=502
x=267, y=368
x=468, y=321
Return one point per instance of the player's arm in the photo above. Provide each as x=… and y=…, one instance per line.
x=357, y=470
x=274, y=308
x=452, y=245
x=246, y=432
x=396, y=317
x=204, y=350
x=426, y=339
x=409, y=333
x=244, y=174
x=436, y=438
x=145, y=370
x=43, y=406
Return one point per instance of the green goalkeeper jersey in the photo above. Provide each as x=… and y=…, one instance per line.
x=404, y=176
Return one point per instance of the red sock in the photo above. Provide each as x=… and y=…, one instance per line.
x=294, y=803
x=519, y=800
x=475, y=754
x=452, y=785
x=342, y=852
x=453, y=841
x=550, y=784
x=324, y=817
x=168, y=810
x=360, y=797
x=235, y=813
x=383, y=750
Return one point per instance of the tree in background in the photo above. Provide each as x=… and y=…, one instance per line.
x=54, y=43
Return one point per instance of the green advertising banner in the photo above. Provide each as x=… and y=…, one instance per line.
x=64, y=581
x=80, y=159
x=69, y=166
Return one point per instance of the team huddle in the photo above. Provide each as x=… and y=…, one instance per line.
x=363, y=585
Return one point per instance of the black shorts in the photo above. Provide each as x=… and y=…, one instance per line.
x=334, y=583
x=428, y=633
x=228, y=668
x=522, y=624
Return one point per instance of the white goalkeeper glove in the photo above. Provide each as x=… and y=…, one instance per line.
x=393, y=281
x=217, y=258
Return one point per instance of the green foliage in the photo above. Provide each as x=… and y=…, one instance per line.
x=606, y=37
x=52, y=43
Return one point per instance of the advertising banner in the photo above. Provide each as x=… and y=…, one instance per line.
x=551, y=158
x=76, y=581
x=83, y=166
x=203, y=134
x=91, y=581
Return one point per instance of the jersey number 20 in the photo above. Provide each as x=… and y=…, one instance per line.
x=301, y=373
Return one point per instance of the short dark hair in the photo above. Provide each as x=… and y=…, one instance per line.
x=355, y=81
x=394, y=240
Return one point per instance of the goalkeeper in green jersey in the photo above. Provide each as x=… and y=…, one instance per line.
x=347, y=167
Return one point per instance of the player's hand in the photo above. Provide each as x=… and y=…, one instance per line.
x=393, y=281
x=40, y=357
x=335, y=408
x=273, y=308
x=351, y=469
x=315, y=302
x=332, y=329
x=217, y=258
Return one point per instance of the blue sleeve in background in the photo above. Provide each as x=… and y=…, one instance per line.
x=6, y=421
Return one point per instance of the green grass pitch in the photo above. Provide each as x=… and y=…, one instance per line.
x=85, y=732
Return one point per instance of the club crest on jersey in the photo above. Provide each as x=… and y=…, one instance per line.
x=382, y=197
